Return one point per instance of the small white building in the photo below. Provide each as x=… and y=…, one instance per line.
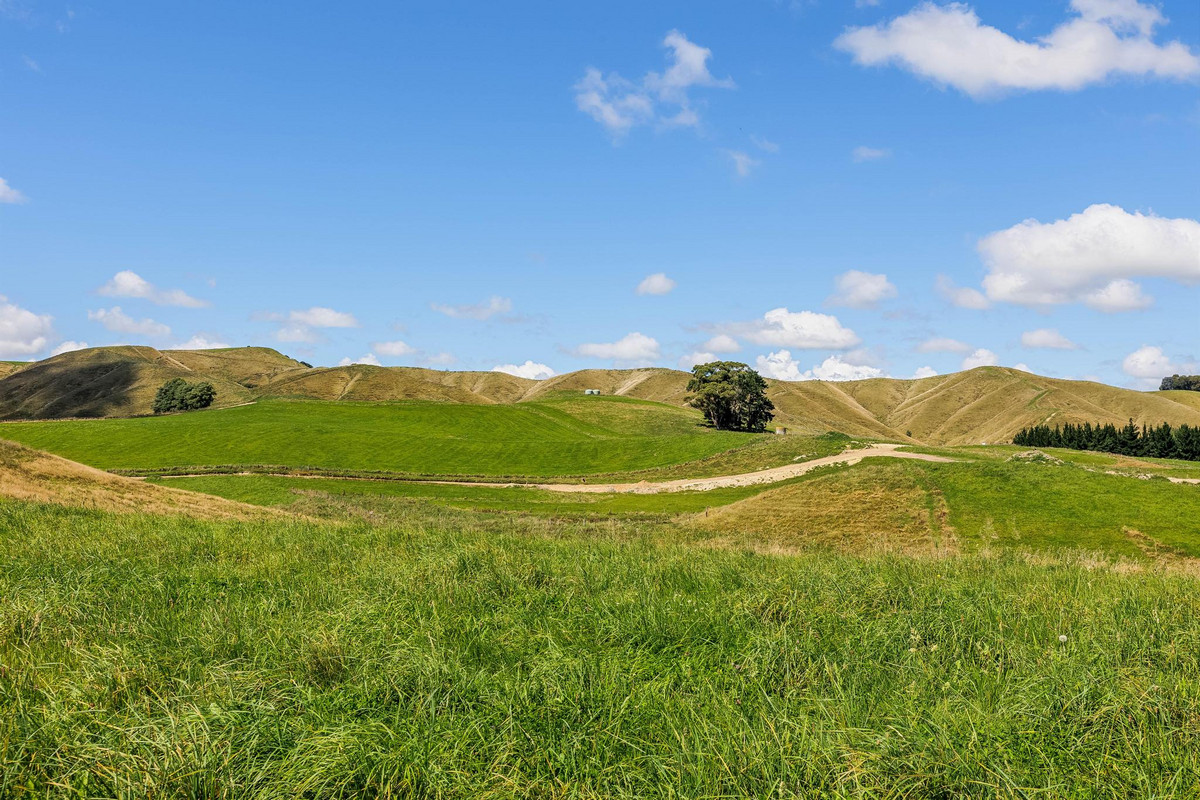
x=591, y=391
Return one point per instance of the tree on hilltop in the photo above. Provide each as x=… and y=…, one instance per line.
x=731, y=396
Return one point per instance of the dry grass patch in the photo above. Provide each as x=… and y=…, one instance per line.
x=31, y=475
x=880, y=508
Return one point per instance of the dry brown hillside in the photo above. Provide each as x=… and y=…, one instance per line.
x=9, y=367
x=32, y=475
x=988, y=404
x=102, y=382
x=364, y=382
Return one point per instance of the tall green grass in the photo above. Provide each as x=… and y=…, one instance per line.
x=450, y=654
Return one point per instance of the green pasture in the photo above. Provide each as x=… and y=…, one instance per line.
x=559, y=437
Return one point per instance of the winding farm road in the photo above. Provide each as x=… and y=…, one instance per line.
x=773, y=475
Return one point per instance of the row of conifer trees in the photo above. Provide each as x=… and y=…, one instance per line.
x=1161, y=441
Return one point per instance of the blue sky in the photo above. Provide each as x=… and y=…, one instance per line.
x=824, y=189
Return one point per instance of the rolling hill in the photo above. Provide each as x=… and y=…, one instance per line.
x=987, y=404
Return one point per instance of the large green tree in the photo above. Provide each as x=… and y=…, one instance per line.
x=731, y=396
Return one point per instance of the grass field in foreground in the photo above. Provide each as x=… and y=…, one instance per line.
x=561, y=436
x=453, y=654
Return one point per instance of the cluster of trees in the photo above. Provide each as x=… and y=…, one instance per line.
x=1160, y=441
x=1189, y=382
x=731, y=396
x=179, y=395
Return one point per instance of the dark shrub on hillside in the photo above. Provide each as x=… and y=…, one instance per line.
x=179, y=395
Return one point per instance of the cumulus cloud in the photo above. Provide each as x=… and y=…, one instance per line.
x=689, y=360
x=128, y=283
x=478, y=311
x=1149, y=365
x=658, y=283
x=201, y=342
x=658, y=98
x=857, y=289
x=980, y=358
x=10, y=195
x=960, y=296
x=369, y=359
x=116, y=320
x=394, y=349
x=1090, y=258
x=439, y=359
x=68, y=347
x=301, y=325
x=530, y=369
x=949, y=45
x=722, y=343
x=940, y=344
x=781, y=366
x=1022, y=366
x=743, y=163
x=22, y=332
x=863, y=153
x=925, y=372
x=320, y=317
x=805, y=330
x=1047, y=338
x=633, y=348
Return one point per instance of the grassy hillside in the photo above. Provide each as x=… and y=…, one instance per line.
x=988, y=404
x=565, y=436
x=106, y=381
x=9, y=367
x=452, y=654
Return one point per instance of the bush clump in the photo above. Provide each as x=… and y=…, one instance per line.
x=179, y=395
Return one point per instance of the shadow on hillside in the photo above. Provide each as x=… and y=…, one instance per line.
x=53, y=390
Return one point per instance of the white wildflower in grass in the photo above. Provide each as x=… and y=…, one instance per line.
x=1062, y=637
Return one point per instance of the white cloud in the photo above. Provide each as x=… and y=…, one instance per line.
x=394, y=349
x=948, y=45
x=620, y=105
x=658, y=283
x=320, y=317
x=116, y=320
x=1022, y=366
x=925, y=372
x=1149, y=365
x=861, y=289
x=369, y=359
x=721, y=343
x=128, y=283
x=299, y=325
x=22, y=332
x=766, y=145
x=530, y=369
x=478, y=311
x=960, y=296
x=632, y=348
x=801, y=329
x=943, y=345
x=781, y=366
x=1090, y=257
x=863, y=153
x=10, y=195
x=68, y=347
x=1048, y=338
x=1118, y=295
x=439, y=359
x=689, y=360
x=201, y=342
x=979, y=358
x=743, y=163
